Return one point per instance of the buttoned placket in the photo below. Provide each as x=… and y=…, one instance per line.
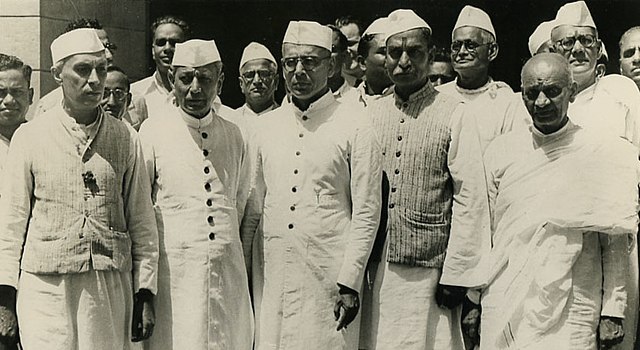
x=401, y=129
x=297, y=165
x=207, y=171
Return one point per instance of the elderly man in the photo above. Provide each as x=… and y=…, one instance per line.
x=630, y=54
x=16, y=95
x=437, y=225
x=473, y=48
x=371, y=55
x=340, y=55
x=258, y=80
x=316, y=195
x=197, y=163
x=609, y=104
x=78, y=237
x=561, y=227
x=352, y=30
x=117, y=98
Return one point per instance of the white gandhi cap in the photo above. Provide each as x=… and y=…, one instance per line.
x=541, y=35
x=379, y=26
x=400, y=21
x=83, y=40
x=575, y=14
x=308, y=33
x=474, y=17
x=195, y=53
x=256, y=51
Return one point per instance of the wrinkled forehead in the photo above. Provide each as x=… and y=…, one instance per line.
x=258, y=64
x=116, y=80
x=566, y=30
x=168, y=31
x=412, y=38
x=94, y=59
x=548, y=70
x=293, y=50
x=206, y=70
x=13, y=77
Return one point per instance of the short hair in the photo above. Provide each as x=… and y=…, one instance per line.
x=118, y=69
x=184, y=26
x=626, y=34
x=343, y=43
x=346, y=20
x=8, y=62
x=441, y=54
x=364, y=45
x=83, y=23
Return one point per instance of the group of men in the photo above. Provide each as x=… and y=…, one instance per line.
x=370, y=209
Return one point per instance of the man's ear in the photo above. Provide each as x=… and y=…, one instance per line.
x=30, y=96
x=127, y=102
x=573, y=89
x=220, y=82
x=172, y=77
x=363, y=67
x=56, y=75
x=332, y=66
x=493, y=51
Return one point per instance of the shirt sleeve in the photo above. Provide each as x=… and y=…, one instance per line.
x=615, y=273
x=366, y=197
x=15, y=207
x=141, y=221
x=470, y=237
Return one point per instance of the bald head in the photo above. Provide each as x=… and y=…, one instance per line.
x=547, y=90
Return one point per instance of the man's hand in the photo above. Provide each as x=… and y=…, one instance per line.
x=349, y=302
x=144, y=316
x=611, y=332
x=449, y=296
x=471, y=321
x=8, y=319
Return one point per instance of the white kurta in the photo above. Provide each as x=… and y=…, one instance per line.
x=563, y=206
x=318, y=177
x=4, y=149
x=199, y=174
x=495, y=106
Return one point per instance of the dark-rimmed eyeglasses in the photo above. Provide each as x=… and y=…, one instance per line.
x=163, y=42
x=118, y=94
x=309, y=63
x=263, y=74
x=586, y=40
x=16, y=93
x=630, y=52
x=549, y=91
x=470, y=45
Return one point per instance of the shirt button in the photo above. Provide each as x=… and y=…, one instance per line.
x=210, y=220
x=209, y=202
x=304, y=117
x=204, y=135
x=300, y=135
x=206, y=170
x=393, y=189
x=397, y=171
x=391, y=206
x=293, y=207
x=401, y=121
x=294, y=189
x=297, y=153
x=207, y=186
x=295, y=171
x=205, y=152
x=290, y=226
x=212, y=236
x=398, y=154
x=399, y=138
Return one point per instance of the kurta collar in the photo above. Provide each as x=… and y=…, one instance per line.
x=194, y=122
x=316, y=106
x=158, y=81
x=540, y=139
x=426, y=91
x=251, y=112
x=72, y=126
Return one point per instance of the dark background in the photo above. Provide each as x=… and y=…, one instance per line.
x=233, y=24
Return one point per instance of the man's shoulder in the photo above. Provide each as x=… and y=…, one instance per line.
x=141, y=86
x=620, y=88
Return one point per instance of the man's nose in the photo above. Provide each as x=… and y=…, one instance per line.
x=542, y=100
x=404, y=60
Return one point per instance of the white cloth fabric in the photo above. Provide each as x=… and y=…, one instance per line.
x=402, y=20
x=199, y=174
x=538, y=234
x=77, y=41
x=365, y=98
x=405, y=314
x=246, y=112
x=195, y=53
x=86, y=311
x=317, y=198
x=4, y=149
x=495, y=106
x=540, y=35
x=346, y=93
x=574, y=14
x=474, y=17
x=256, y=51
x=308, y=33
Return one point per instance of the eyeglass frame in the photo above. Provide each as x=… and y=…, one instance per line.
x=466, y=43
x=300, y=59
x=108, y=92
x=576, y=38
x=271, y=76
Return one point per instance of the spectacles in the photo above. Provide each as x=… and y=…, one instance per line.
x=443, y=78
x=309, y=63
x=118, y=94
x=628, y=53
x=263, y=74
x=586, y=40
x=414, y=53
x=549, y=91
x=163, y=42
x=110, y=46
x=470, y=45
x=16, y=93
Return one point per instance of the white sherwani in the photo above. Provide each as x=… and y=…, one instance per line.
x=495, y=105
x=317, y=190
x=199, y=173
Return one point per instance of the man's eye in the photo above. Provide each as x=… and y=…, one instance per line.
x=552, y=92
x=628, y=53
x=395, y=53
x=532, y=94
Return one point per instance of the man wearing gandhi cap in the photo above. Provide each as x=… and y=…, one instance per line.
x=199, y=173
x=540, y=39
x=437, y=200
x=258, y=80
x=77, y=230
x=610, y=104
x=473, y=48
x=371, y=56
x=316, y=194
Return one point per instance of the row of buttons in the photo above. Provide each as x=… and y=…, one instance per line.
x=207, y=187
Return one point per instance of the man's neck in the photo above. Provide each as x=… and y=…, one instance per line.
x=261, y=106
x=374, y=89
x=164, y=77
x=584, y=82
x=472, y=81
x=335, y=83
x=82, y=116
x=405, y=91
x=8, y=131
x=303, y=105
